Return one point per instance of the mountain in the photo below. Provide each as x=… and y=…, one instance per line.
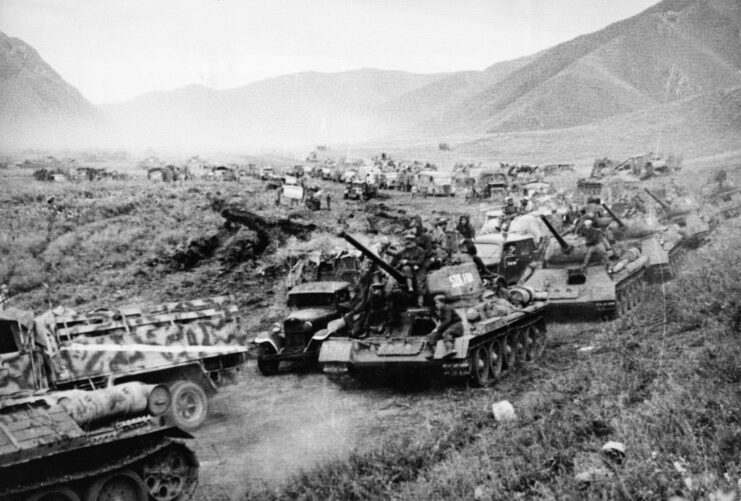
x=36, y=105
x=673, y=50
x=302, y=107
x=696, y=126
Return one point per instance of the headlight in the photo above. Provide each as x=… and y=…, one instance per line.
x=308, y=326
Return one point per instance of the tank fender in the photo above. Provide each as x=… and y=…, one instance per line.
x=460, y=345
x=272, y=337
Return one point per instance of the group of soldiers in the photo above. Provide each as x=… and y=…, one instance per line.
x=382, y=298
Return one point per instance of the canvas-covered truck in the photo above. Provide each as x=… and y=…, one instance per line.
x=95, y=445
x=190, y=346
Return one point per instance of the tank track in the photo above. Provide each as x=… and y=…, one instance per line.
x=339, y=374
x=628, y=294
x=66, y=472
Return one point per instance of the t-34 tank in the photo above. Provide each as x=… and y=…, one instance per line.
x=577, y=292
x=664, y=246
x=494, y=335
x=687, y=218
x=94, y=445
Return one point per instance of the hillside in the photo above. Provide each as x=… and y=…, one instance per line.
x=290, y=109
x=35, y=100
x=674, y=50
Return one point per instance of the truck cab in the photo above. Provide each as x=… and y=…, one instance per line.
x=508, y=256
x=312, y=305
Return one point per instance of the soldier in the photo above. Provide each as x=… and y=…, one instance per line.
x=328, y=200
x=410, y=261
x=525, y=205
x=4, y=296
x=510, y=211
x=465, y=228
x=449, y=327
x=439, y=235
x=593, y=238
x=470, y=248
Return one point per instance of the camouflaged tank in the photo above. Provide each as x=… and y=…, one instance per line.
x=94, y=445
x=190, y=346
x=576, y=292
x=496, y=336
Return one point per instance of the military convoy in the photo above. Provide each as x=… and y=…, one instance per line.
x=496, y=335
x=190, y=346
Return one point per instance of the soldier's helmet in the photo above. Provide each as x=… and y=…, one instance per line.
x=442, y=221
x=509, y=200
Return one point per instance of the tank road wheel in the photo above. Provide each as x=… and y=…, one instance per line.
x=54, y=494
x=267, y=367
x=189, y=405
x=538, y=342
x=531, y=343
x=510, y=351
x=124, y=485
x=171, y=474
x=521, y=340
x=480, y=366
x=496, y=359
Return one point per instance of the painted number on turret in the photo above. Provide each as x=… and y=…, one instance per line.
x=460, y=279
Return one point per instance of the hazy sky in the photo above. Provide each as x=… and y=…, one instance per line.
x=112, y=50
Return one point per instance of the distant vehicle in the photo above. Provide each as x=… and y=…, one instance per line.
x=266, y=172
x=507, y=256
x=360, y=190
x=436, y=183
x=390, y=181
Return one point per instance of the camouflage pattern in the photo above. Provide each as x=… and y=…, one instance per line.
x=88, y=349
x=45, y=448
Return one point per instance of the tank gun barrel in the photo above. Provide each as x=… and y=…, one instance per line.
x=613, y=215
x=658, y=200
x=564, y=245
x=396, y=274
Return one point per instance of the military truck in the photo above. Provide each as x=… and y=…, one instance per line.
x=312, y=306
x=496, y=335
x=577, y=292
x=507, y=255
x=190, y=346
x=96, y=445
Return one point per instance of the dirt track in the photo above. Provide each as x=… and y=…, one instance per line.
x=266, y=429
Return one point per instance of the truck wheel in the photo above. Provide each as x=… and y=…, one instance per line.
x=54, y=494
x=122, y=485
x=189, y=405
x=267, y=367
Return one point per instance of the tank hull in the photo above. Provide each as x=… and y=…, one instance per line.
x=513, y=336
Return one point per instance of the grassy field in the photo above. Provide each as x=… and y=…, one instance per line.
x=664, y=381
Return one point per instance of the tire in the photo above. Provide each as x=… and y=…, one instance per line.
x=122, y=485
x=54, y=494
x=267, y=367
x=189, y=406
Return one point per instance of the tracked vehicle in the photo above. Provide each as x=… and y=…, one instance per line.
x=577, y=292
x=687, y=218
x=663, y=246
x=496, y=335
x=93, y=445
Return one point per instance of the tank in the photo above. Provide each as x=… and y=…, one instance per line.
x=685, y=215
x=577, y=292
x=96, y=445
x=664, y=246
x=496, y=335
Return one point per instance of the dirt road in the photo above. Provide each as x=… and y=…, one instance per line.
x=263, y=430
